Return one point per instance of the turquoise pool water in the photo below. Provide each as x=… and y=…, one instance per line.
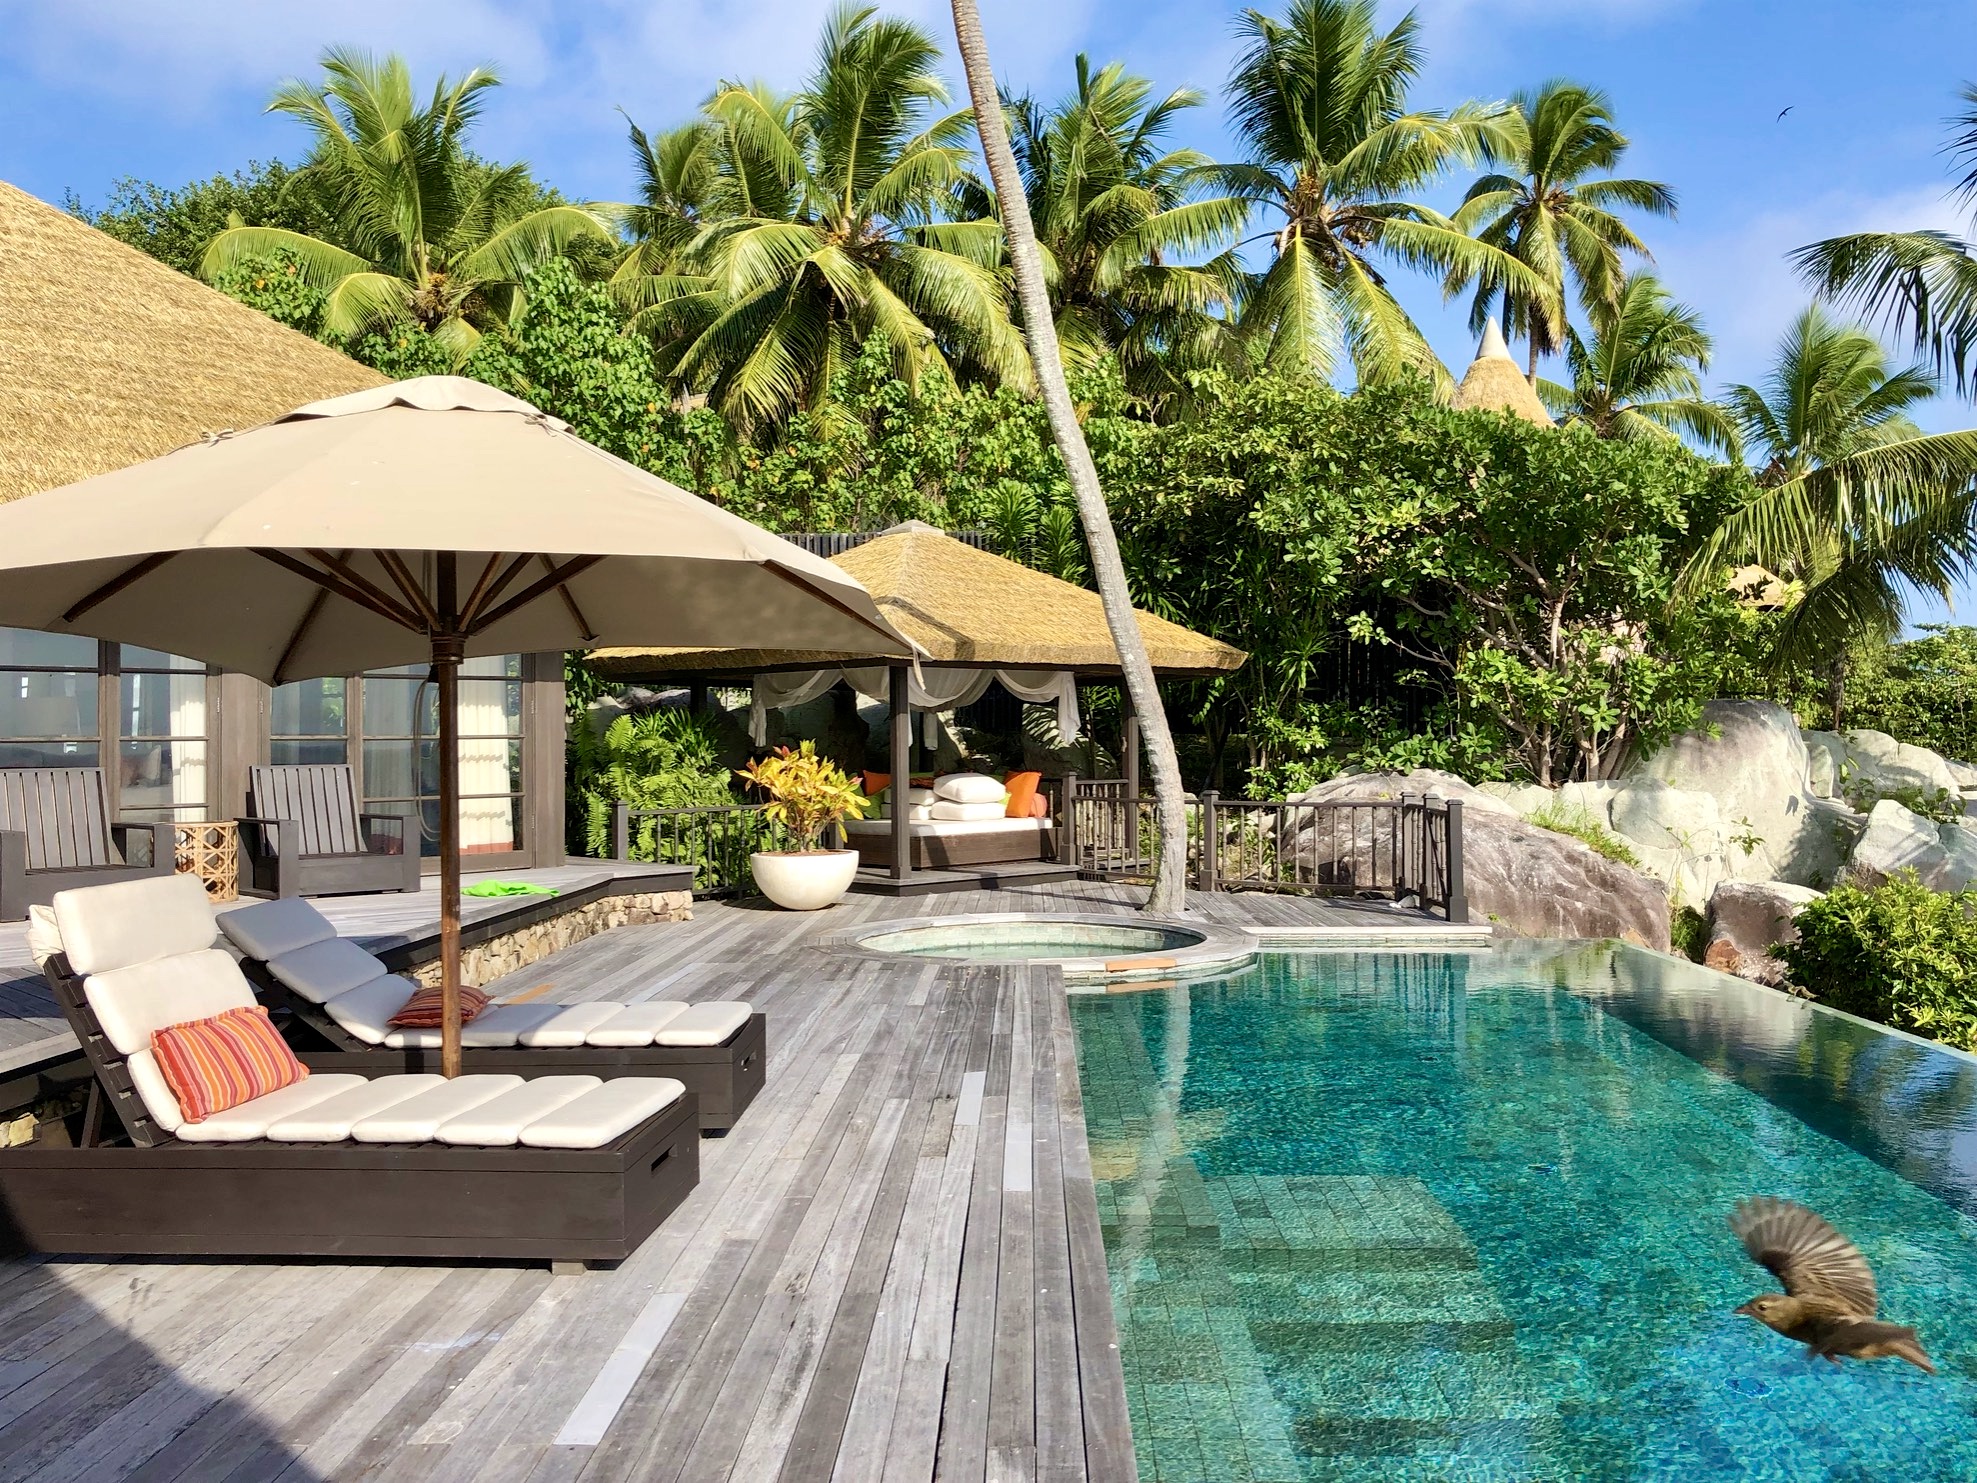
x=1395, y=1217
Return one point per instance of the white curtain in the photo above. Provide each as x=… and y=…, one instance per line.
x=187, y=695
x=486, y=824
x=930, y=688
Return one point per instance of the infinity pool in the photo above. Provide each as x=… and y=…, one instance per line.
x=1396, y=1217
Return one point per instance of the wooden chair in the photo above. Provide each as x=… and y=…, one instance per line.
x=55, y=833
x=307, y=837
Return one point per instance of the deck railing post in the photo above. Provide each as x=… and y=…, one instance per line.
x=1068, y=827
x=621, y=831
x=1456, y=894
x=1210, y=841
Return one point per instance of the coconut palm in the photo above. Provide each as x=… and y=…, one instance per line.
x=421, y=232
x=1320, y=100
x=1117, y=215
x=1922, y=284
x=1544, y=209
x=772, y=301
x=1169, y=894
x=1639, y=375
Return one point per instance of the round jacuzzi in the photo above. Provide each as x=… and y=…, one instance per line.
x=1083, y=947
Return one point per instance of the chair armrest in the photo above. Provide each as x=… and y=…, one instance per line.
x=13, y=875
x=162, y=846
x=384, y=834
x=261, y=836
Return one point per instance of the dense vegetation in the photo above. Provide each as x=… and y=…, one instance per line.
x=1899, y=952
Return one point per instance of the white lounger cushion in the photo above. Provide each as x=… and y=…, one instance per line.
x=495, y=1028
x=366, y=1010
x=499, y=1123
x=603, y=1113
x=268, y=929
x=154, y=1091
x=133, y=1003
x=331, y=1120
x=417, y=1119
x=635, y=1024
x=569, y=1025
x=253, y=1119
x=705, y=1024
x=116, y=926
x=322, y=970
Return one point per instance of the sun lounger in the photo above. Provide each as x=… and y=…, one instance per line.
x=343, y=998
x=568, y=1168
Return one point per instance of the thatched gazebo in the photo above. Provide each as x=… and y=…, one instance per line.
x=109, y=357
x=1494, y=384
x=977, y=617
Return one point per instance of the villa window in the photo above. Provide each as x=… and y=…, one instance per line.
x=161, y=726
x=50, y=705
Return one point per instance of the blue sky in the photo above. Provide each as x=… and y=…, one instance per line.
x=94, y=89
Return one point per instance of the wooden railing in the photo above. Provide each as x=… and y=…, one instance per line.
x=1405, y=849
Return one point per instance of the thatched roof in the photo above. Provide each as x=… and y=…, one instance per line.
x=963, y=606
x=109, y=358
x=1494, y=384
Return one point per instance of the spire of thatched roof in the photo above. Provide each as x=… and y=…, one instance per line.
x=1494, y=384
x=108, y=357
x=962, y=606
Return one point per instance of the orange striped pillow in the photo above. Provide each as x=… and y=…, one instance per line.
x=221, y=1062
x=422, y=1010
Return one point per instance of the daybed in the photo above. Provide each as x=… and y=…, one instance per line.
x=341, y=999
x=943, y=844
x=568, y=1169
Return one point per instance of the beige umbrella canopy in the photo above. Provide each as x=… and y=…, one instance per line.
x=426, y=520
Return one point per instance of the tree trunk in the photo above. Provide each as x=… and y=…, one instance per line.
x=1836, y=692
x=1170, y=878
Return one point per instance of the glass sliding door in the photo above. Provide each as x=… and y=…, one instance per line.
x=161, y=728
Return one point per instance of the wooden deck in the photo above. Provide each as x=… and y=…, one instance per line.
x=891, y=1270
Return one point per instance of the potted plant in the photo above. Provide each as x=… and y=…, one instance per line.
x=807, y=794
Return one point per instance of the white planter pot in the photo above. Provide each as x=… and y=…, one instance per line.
x=805, y=882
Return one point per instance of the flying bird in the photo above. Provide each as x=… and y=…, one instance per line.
x=1829, y=1300
x=1785, y=110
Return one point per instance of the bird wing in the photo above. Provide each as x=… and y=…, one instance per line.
x=1805, y=1253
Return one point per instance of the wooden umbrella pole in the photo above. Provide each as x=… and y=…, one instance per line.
x=446, y=654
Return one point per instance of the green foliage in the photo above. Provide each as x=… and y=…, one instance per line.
x=175, y=226
x=1583, y=827
x=1923, y=692
x=1899, y=953
x=276, y=285
x=1688, y=932
x=663, y=759
x=807, y=793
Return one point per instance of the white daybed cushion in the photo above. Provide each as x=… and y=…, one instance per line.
x=494, y=1028
x=44, y=938
x=269, y=929
x=950, y=827
x=569, y=1025
x=322, y=970
x=947, y=811
x=109, y=927
x=971, y=787
x=253, y=1119
x=331, y=1120
x=417, y=1119
x=635, y=1024
x=133, y=1003
x=705, y=1024
x=366, y=1010
x=603, y=1113
x=498, y=1123
x=919, y=797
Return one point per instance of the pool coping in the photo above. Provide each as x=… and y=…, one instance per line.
x=1220, y=947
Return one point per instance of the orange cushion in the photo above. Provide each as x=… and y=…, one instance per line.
x=1022, y=788
x=876, y=783
x=217, y=1063
x=422, y=1010
x=1039, y=806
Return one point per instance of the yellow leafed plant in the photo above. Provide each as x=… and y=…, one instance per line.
x=807, y=793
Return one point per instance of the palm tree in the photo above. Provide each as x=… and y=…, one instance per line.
x=1640, y=375
x=774, y=298
x=1545, y=212
x=1924, y=283
x=1320, y=100
x=421, y=232
x=1169, y=894
x=1116, y=215
x=1854, y=500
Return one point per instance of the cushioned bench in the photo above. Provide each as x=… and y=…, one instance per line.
x=566, y=1167
x=342, y=998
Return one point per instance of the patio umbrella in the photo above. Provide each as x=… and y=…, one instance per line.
x=427, y=521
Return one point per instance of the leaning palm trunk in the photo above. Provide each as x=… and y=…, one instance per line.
x=1169, y=882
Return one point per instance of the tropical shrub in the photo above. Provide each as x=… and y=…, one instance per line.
x=1923, y=692
x=1899, y=953
x=661, y=760
x=807, y=793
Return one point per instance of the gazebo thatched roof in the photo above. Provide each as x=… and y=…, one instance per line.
x=1494, y=384
x=108, y=357
x=963, y=606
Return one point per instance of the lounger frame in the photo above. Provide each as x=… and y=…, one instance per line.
x=158, y=1195
x=724, y=1078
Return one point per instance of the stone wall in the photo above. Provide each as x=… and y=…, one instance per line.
x=487, y=961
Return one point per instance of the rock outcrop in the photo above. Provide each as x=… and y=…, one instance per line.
x=1529, y=881
x=1748, y=920
x=1873, y=765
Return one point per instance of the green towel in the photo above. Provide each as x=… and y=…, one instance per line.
x=506, y=888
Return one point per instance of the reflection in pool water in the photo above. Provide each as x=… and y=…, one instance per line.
x=1384, y=1216
x=1025, y=939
